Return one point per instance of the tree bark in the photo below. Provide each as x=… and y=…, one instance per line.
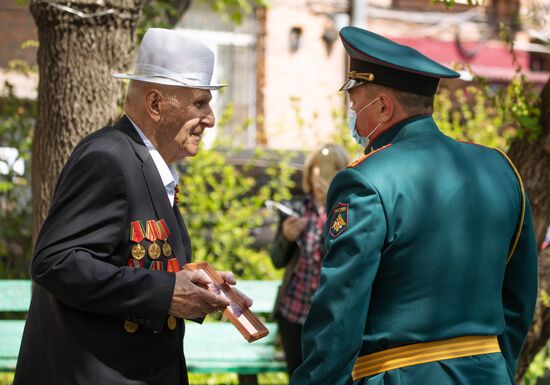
x=532, y=158
x=76, y=93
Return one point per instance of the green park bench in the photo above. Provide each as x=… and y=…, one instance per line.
x=213, y=347
x=217, y=347
x=15, y=298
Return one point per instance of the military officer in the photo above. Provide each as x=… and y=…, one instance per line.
x=430, y=275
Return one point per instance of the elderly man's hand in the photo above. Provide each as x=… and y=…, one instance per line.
x=192, y=299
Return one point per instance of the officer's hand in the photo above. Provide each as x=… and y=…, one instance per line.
x=192, y=299
x=293, y=227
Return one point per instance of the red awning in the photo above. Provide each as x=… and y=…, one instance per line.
x=493, y=60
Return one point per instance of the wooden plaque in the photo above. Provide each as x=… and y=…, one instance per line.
x=244, y=320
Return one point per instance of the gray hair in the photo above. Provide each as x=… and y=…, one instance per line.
x=412, y=104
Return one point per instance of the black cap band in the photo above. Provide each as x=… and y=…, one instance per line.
x=398, y=79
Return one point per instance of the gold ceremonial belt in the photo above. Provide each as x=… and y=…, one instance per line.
x=422, y=353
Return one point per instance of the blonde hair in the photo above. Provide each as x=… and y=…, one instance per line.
x=330, y=158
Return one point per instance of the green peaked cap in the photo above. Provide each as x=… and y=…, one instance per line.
x=375, y=59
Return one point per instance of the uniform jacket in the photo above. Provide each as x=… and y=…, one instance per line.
x=420, y=255
x=84, y=291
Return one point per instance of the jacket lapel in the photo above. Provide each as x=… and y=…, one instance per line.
x=185, y=236
x=157, y=192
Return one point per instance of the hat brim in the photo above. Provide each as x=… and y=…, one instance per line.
x=167, y=81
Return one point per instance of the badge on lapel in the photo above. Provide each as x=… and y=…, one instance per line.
x=339, y=219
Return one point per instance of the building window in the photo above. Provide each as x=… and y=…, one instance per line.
x=235, y=50
x=539, y=62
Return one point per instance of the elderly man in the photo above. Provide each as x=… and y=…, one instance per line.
x=110, y=296
x=430, y=277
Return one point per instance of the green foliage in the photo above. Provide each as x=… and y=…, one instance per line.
x=232, y=379
x=16, y=127
x=159, y=14
x=6, y=378
x=481, y=115
x=450, y=3
x=166, y=13
x=235, y=10
x=17, y=120
x=223, y=204
x=538, y=367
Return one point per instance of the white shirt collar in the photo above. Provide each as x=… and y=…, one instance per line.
x=168, y=174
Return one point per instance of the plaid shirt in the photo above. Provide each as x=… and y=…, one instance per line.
x=296, y=300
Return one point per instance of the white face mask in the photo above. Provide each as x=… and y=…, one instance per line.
x=362, y=140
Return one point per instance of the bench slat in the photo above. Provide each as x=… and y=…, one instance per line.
x=262, y=292
x=217, y=347
x=15, y=295
x=11, y=332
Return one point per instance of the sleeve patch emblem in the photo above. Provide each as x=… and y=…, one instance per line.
x=339, y=217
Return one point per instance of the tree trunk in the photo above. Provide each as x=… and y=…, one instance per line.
x=533, y=162
x=76, y=93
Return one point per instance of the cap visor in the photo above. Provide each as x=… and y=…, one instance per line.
x=349, y=84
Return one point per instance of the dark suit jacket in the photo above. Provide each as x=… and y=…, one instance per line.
x=84, y=291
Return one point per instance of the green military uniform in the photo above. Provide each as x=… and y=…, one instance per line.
x=418, y=235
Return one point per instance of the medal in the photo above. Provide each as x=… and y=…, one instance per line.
x=172, y=322
x=130, y=327
x=136, y=235
x=176, y=192
x=173, y=265
x=135, y=262
x=151, y=233
x=156, y=265
x=166, y=249
x=154, y=251
x=164, y=233
x=138, y=251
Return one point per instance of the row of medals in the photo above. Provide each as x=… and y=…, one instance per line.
x=154, y=251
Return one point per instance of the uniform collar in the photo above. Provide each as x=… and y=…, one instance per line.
x=402, y=129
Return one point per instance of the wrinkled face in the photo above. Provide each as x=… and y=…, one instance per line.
x=185, y=114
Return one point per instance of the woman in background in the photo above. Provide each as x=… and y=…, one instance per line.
x=299, y=247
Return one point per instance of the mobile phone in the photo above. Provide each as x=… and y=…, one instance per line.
x=281, y=207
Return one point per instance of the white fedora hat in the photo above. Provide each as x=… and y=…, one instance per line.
x=171, y=57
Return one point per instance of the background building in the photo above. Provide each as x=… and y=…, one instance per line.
x=284, y=64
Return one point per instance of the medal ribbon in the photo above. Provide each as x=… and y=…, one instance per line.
x=173, y=265
x=136, y=232
x=156, y=265
x=176, y=192
x=134, y=263
x=163, y=232
x=152, y=231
